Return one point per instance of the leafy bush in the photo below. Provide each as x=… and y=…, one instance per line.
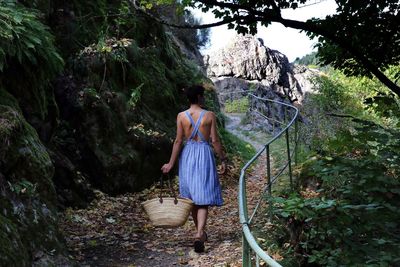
x=351, y=217
x=346, y=211
x=24, y=38
x=355, y=97
x=28, y=57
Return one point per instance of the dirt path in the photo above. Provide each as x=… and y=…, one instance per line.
x=115, y=231
x=233, y=126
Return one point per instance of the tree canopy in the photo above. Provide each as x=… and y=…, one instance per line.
x=362, y=38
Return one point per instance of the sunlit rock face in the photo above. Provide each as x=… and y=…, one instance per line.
x=247, y=64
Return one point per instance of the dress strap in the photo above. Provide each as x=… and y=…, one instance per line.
x=190, y=118
x=196, y=125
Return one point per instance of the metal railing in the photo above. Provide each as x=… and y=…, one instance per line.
x=259, y=106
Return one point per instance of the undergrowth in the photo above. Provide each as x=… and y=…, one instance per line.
x=345, y=211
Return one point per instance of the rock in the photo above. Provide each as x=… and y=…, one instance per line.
x=116, y=129
x=247, y=58
x=246, y=65
x=28, y=218
x=246, y=61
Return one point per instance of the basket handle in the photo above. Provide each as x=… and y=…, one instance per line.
x=170, y=188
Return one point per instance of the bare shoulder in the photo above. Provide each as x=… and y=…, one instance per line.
x=210, y=114
x=180, y=116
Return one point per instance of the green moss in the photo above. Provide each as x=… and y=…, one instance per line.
x=7, y=99
x=12, y=250
x=24, y=156
x=27, y=215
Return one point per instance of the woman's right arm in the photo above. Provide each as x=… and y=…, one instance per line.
x=176, y=149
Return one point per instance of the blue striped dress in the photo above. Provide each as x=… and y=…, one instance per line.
x=198, y=177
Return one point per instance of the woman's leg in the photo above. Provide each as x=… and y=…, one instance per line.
x=194, y=215
x=201, y=218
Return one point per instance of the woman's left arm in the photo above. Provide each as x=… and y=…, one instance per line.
x=176, y=149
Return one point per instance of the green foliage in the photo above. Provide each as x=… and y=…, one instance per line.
x=235, y=146
x=135, y=96
x=346, y=210
x=28, y=57
x=352, y=218
x=24, y=38
x=23, y=187
x=193, y=38
x=310, y=59
x=237, y=105
x=350, y=96
x=93, y=19
x=369, y=26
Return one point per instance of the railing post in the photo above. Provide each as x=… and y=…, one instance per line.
x=246, y=258
x=289, y=159
x=269, y=181
x=296, y=129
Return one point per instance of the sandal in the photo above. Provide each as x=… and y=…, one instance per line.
x=199, y=244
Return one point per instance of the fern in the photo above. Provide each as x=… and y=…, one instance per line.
x=28, y=57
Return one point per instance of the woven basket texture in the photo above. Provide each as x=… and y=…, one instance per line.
x=168, y=214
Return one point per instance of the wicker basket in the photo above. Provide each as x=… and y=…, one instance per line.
x=168, y=212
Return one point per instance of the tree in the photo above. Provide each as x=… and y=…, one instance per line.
x=361, y=38
x=195, y=37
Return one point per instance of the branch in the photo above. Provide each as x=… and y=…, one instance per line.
x=226, y=5
x=345, y=45
x=275, y=8
x=270, y=13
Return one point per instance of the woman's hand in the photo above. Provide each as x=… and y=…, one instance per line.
x=166, y=168
x=222, y=168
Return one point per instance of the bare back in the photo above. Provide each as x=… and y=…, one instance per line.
x=205, y=124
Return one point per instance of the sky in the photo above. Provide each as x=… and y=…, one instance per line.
x=288, y=41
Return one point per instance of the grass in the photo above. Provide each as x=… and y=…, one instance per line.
x=234, y=146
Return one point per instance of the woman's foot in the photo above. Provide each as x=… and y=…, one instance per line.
x=202, y=237
x=199, y=242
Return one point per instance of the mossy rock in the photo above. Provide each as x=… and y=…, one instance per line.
x=23, y=155
x=28, y=216
x=13, y=252
x=117, y=86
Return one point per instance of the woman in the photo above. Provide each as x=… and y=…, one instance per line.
x=198, y=177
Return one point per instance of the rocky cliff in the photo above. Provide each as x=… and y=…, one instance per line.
x=246, y=64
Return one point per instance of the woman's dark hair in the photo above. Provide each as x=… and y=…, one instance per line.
x=193, y=91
